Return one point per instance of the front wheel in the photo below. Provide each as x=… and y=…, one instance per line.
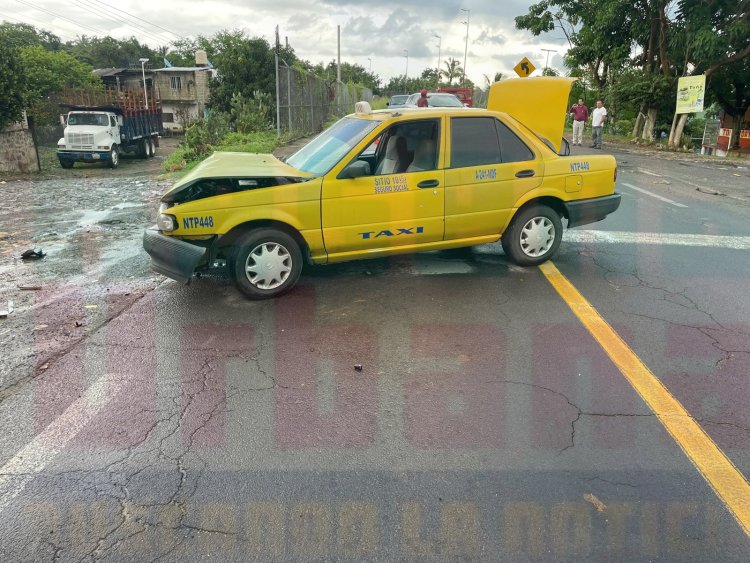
x=534, y=235
x=67, y=164
x=114, y=158
x=265, y=263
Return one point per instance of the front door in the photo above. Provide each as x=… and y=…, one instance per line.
x=400, y=203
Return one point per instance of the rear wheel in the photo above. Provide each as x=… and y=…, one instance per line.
x=114, y=157
x=266, y=263
x=67, y=164
x=534, y=235
x=142, y=148
x=151, y=147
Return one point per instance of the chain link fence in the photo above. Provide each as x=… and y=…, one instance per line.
x=306, y=102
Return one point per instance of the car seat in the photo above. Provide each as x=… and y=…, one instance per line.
x=395, y=156
x=424, y=156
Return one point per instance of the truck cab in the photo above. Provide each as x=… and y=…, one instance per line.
x=90, y=136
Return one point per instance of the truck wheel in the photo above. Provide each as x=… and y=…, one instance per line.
x=114, y=157
x=67, y=164
x=265, y=263
x=142, y=148
x=534, y=235
x=151, y=148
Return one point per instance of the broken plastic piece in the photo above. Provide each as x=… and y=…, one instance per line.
x=8, y=311
x=32, y=254
x=357, y=367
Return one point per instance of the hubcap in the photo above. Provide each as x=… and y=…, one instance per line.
x=114, y=156
x=537, y=236
x=268, y=265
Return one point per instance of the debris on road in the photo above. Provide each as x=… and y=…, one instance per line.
x=32, y=254
x=90, y=306
x=78, y=323
x=599, y=505
x=30, y=287
x=8, y=311
x=357, y=367
x=709, y=192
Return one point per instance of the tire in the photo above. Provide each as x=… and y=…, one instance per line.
x=142, y=148
x=151, y=148
x=534, y=235
x=67, y=164
x=280, y=255
x=114, y=157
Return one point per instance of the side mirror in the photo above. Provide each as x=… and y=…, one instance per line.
x=119, y=120
x=63, y=120
x=565, y=147
x=387, y=104
x=356, y=169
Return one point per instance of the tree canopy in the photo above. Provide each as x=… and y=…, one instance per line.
x=633, y=51
x=12, y=85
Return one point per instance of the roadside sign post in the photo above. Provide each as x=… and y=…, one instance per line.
x=524, y=68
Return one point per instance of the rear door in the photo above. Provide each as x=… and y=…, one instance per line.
x=490, y=167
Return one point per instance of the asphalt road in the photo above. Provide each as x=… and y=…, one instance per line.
x=145, y=420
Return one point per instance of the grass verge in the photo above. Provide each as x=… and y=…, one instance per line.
x=185, y=157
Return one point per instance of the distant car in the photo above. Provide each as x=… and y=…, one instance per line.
x=435, y=100
x=398, y=100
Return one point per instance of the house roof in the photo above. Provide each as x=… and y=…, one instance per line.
x=181, y=69
x=103, y=72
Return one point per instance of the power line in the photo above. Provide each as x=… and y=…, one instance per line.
x=87, y=6
x=78, y=24
x=137, y=18
x=36, y=24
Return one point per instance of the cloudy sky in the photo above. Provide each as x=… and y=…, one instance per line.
x=373, y=33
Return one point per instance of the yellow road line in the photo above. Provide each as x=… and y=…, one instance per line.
x=726, y=480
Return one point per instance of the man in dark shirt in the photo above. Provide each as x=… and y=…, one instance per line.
x=422, y=101
x=580, y=115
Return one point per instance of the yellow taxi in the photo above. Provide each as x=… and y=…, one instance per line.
x=379, y=183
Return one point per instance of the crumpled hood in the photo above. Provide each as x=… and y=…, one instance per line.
x=540, y=103
x=240, y=165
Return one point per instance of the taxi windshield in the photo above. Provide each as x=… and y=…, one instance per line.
x=324, y=151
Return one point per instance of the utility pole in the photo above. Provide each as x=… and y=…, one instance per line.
x=546, y=64
x=338, y=61
x=369, y=59
x=406, y=73
x=440, y=44
x=466, y=46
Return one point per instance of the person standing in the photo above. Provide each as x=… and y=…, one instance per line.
x=598, y=118
x=580, y=115
x=422, y=101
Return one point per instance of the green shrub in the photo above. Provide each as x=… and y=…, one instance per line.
x=251, y=114
x=201, y=135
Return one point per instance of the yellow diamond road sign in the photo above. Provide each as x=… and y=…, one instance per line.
x=524, y=68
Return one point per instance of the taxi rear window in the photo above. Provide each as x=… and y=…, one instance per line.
x=476, y=141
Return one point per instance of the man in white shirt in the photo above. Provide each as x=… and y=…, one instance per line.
x=598, y=118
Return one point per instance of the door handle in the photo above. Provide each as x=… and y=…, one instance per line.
x=525, y=173
x=428, y=184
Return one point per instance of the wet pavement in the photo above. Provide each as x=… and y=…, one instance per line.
x=147, y=420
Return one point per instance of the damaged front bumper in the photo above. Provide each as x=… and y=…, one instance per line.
x=172, y=257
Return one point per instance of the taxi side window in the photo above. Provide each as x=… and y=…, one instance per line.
x=512, y=148
x=474, y=142
x=410, y=146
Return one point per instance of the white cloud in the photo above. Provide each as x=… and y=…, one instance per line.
x=378, y=31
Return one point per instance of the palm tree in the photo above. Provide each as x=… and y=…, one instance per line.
x=452, y=70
